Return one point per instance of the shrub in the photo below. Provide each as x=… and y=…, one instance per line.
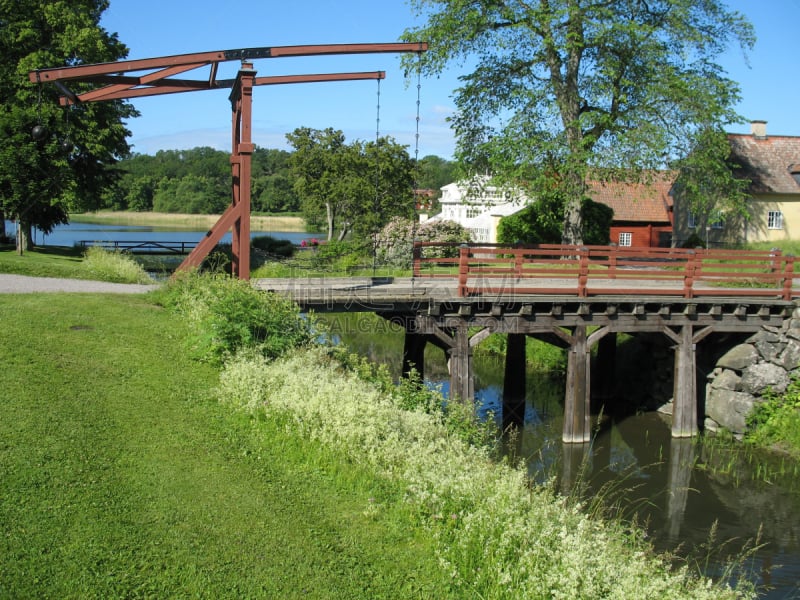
x=230, y=315
x=394, y=242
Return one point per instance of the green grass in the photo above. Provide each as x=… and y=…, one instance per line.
x=120, y=475
x=73, y=263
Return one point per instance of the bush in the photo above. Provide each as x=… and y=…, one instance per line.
x=230, y=315
x=274, y=246
x=394, y=243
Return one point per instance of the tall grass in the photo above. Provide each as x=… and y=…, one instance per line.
x=104, y=265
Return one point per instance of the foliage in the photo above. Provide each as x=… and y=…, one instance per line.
x=562, y=87
x=497, y=536
x=349, y=187
x=540, y=223
x=123, y=477
x=708, y=184
x=103, y=265
x=776, y=421
x=230, y=314
x=68, y=169
x=393, y=245
x=198, y=181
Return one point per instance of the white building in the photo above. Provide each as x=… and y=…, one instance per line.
x=478, y=206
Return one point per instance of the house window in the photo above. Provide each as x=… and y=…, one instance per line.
x=716, y=221
x=473, y=212
x=625, y=238
x=774, y=219
x=691, y=220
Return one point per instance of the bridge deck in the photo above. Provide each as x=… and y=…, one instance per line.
x=367, y=294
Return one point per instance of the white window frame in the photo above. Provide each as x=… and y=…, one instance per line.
x=625, y=239
x=691, y=220
x=774, y=219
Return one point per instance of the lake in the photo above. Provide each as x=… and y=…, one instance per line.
x=72, y=234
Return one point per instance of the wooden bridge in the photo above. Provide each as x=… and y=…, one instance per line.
x=574, y=297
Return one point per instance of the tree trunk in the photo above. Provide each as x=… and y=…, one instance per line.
x=329, y=216
x=573, y=219
x=24, y=236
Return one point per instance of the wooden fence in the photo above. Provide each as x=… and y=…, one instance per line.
x=586, y=271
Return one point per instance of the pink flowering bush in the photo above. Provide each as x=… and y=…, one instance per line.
x=393, y=243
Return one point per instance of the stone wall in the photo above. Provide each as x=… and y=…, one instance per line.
x=767, y=360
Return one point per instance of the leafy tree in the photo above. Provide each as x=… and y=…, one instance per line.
x=540, y=223
x=708, y=183
x=355, y=187
x=66, y=169
x=560, y=87
x=435, y=172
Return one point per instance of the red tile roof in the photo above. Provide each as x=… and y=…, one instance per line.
x=636, y=202
x=767, y=162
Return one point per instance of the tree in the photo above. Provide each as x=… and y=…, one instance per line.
x=540, y=223
x=66, y=168
x=561, y=87
x=708, y=184
x=354, y=187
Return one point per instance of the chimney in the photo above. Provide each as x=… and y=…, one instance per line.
x=759, y=129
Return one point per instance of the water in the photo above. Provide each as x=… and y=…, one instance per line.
x=679, y=490
x=72, y=233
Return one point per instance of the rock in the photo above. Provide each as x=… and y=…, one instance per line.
x=764, y=336
x=727, y=380
x=739, y=357
x=758, y=378
x=769, y=351
x=728, y=408
x=789, y=359
x=710, y=425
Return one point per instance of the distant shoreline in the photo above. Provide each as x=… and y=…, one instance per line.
x=185, y=221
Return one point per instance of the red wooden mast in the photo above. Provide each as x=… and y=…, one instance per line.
x=119, y=81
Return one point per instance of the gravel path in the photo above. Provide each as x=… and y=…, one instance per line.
x=21, y=284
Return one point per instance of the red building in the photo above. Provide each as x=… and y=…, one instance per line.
x=643, y=212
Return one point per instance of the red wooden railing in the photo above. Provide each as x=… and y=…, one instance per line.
x=607, y=270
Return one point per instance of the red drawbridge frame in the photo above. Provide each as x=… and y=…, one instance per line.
x=121, y=82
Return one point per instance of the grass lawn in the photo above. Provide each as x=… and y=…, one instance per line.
x=120, y=476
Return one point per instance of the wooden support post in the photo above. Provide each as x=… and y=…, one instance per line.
x=684, y=411
x=414, y=353
x=514, y=381
x=577, y=424
x=460, y=355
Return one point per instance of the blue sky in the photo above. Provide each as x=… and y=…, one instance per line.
x=770, y=85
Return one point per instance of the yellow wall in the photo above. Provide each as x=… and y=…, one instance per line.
x=755, y=230
x=759, y=206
